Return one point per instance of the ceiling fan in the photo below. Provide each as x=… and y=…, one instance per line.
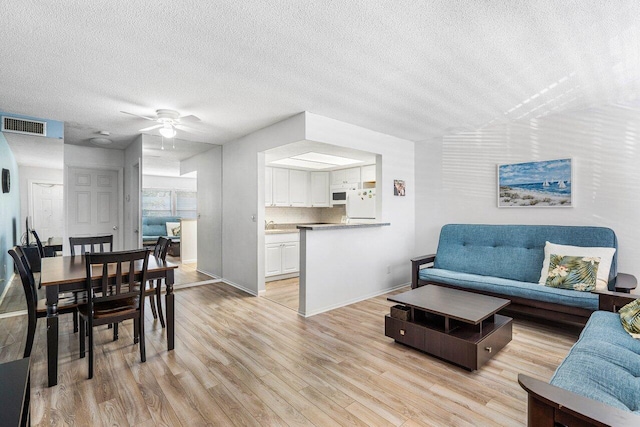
x=168, y=121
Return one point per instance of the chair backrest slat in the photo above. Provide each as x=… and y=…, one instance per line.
x=92, y=243
x=111, y=286
x=38, y=243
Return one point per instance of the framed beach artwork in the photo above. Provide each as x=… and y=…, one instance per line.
x=536, y=184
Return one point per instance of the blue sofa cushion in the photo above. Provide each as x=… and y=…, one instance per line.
x=512, y=252
x=604, y=364
x=514, y=288
x=156, y=226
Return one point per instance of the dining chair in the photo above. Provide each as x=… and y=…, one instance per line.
x=154, y=286
x=36, y=308
x=38, y=243
x=114, y=299
x=90, y=244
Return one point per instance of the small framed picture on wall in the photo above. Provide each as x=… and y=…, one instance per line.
x=398, y=187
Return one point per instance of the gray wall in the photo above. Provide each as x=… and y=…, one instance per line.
x=457, y=176
x=209, y=187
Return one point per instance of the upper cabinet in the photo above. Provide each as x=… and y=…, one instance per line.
x=284, y=187
x=368, y=173
x=345, y=176
x=298, y=185
x=291, y=187
x=280, y=187
x=319, y=189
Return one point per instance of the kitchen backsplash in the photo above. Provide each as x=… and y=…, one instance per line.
x=285, y=215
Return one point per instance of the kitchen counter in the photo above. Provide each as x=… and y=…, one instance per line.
x=281, y=231
x=341, y=226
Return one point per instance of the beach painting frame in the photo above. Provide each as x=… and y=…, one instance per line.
x=547, y=184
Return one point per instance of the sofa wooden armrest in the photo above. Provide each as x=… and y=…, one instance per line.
x=416, y=264
x=613, y=301
x=551, y=406
x=625, y=282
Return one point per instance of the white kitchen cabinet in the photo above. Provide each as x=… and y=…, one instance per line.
x=268, y=187
x=298, y=186
x=290, y=257
x=282, y=254
x=345, y=176
x=273, y=259
x=319, y=189
x=368, y=173
x=281, y=187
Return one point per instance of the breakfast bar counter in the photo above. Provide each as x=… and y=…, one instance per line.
x=316, y=227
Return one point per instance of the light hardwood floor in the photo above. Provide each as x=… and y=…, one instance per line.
x=242, y=360
x=285, y=292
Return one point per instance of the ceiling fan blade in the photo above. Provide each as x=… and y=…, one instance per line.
x=185, y=128
x=190, y=118
x=150, y=128
x=137, y=115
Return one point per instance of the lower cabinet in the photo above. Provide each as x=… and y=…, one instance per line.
x=282, y=254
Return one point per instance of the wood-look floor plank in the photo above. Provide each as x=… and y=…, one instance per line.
x=241, y=360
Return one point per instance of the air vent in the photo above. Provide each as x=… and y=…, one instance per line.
x=28, y=127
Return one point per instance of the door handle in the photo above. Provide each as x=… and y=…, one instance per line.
x=115, y=227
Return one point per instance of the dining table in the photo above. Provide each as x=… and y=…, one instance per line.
x=68, y=273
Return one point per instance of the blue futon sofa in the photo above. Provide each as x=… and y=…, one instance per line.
x=156, y=226
x=506, y=260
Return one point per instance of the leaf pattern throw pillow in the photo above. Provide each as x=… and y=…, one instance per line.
x=573, y=272
x=630, y=318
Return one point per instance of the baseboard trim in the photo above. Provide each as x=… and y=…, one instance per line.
x=6, y=288
x=13, y=314
x=190, y=285
x=240, y=287
x=353, y=301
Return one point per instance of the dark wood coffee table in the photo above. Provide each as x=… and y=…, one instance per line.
x=457, y=326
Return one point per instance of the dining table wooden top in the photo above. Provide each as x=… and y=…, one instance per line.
x=71, y=269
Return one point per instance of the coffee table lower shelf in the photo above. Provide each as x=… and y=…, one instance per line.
x=465, y=346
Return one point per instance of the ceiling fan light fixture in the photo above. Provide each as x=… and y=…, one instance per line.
x=167, y=131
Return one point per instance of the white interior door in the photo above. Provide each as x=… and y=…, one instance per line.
x=93, y=203
x=46, y=208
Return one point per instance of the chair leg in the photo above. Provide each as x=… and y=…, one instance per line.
x=75, y=320
x=143, y=354
x=115, y=331
x=90, y=326
x=83, y=338
x=159, y=301
x=136, y=331
x=152, y=303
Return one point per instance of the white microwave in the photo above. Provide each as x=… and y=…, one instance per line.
x=339, y=193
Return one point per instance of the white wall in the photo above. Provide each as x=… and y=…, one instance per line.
x=35, y=174
x=209, y=188
x=370, y=261
x=243, y=201
x=243, y=197
x=457, y=176
x=132, y=184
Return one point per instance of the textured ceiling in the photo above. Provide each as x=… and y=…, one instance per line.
x=412, y=69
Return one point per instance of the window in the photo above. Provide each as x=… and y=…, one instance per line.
x=167, y=202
